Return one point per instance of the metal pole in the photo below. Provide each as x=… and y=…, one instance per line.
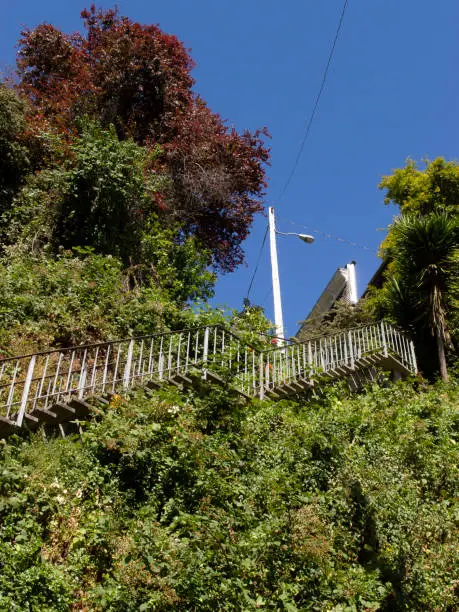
x=205, y=353
x=127, y=367
x=261, y=381
x=25, y=392
x=278, y=319
x=384, y=341
x=413, y=357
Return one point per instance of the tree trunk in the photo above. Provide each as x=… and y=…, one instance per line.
x=441, y=356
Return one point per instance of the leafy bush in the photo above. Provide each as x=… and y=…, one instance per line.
x=71, y=300
x=172, y=501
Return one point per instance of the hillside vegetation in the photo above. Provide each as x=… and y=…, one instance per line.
x=122, y=196
x=172, y=501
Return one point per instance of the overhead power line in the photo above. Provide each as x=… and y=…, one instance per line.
x=258, y=262
x=316, y=103
x=313, y=230
x=267, y=295
x=329, y=236
x=303, y=143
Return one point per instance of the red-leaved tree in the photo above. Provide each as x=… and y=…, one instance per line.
x=138, y=79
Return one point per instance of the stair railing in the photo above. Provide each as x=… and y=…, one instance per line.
x=36, y=382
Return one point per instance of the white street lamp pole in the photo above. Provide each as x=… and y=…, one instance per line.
x=278, y=318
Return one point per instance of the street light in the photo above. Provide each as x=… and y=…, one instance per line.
x=278, y=318
x=304, y=237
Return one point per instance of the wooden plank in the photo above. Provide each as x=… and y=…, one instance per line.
x=153, y=384
x=368, y=360
x=7, y=427
x=346, y=369
x=282, y=391
x=63, y=411
x=237, y=391
x=215, y=378
x=45, y=416
x=392, y=364
x=82, y=408
x=272, y=394
x=298, y=384
x=290, y=389
x=31, y=422
x=307, y=384
x=184, y=380
x=102, y=400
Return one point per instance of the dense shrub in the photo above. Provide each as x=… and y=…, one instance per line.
x=187, y=502
x=71, y=300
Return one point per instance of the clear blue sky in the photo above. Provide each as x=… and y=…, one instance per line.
x=392, y=93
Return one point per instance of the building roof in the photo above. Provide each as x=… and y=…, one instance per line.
x=342, y=286
x=377, y=280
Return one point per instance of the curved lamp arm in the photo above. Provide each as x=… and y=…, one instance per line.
x=304, y=237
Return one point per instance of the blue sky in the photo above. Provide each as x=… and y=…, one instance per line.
x=392, y=93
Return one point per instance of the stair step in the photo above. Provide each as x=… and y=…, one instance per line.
x=307, y=383
x=298, y=384
x=82, y=408
x=343, y=369
x=368, y=360
x=7, y=427
x=215, y=378
x=154, y=384
x=45, y=416
x=176, y=382
x=63, y=411
x=272, y=394
x=31, y=422
x=102, y=400
x=278, y=391
x=285, y=390
x=184, y=380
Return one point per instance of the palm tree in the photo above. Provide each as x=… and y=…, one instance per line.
x=426, y=268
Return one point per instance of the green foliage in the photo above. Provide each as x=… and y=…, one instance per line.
x=101, y=196
x=433, y=189
x=189, y=502
x=109, y=194
x=95, y=192
x=420, y=292
x=422, y=191
x=71, y=299
x=176, y=263
x=341, y=317
x=14, y=154
x=422, y=288
x=426, y=257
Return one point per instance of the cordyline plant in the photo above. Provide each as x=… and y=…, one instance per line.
x=426, y=263
x=138, y=79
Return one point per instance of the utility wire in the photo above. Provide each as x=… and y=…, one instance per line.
x=305, y=137
x=316, y=104
x=313, y=231
x=258, y=262
x=267, y=295
x=330, y=236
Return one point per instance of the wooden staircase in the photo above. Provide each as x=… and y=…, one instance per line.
x=58, y=387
